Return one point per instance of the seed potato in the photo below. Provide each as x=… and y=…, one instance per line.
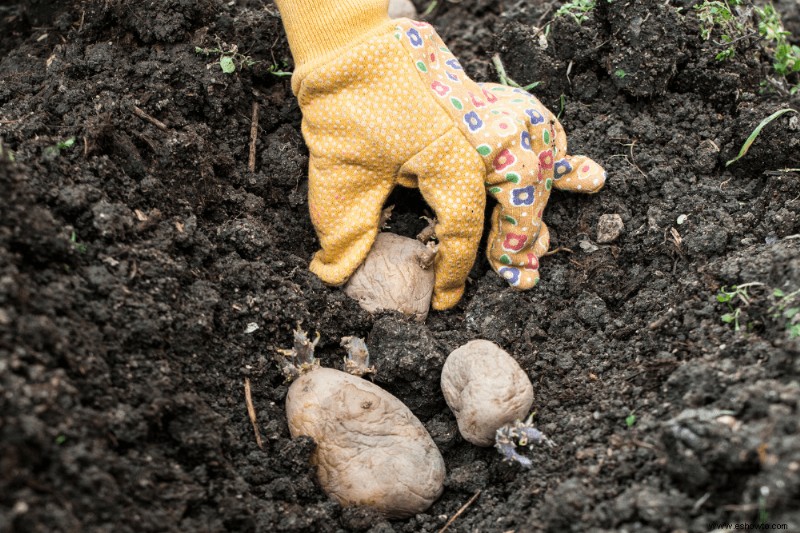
x=402, y=9
x=397, y=275
x=486, y=389
x=371, y=450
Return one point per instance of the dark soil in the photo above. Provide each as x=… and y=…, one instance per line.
x=136, y=262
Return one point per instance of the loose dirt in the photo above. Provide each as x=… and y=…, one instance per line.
x=145, y=272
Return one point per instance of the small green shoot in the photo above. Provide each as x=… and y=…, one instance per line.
x=504, y=79
x=227, y=65
x=787, y=308
x=430, y=8
x=728, y=52
x=730, y=297
x=229, y=57
x=51, y=152
x=562, y=103
x=277, y=70
x=79, y=246
x=579, y=10
x=751, y=139
x=69, y=143
x=715, y=13
x=61, y=439
x=630, y=420
x=620, y=73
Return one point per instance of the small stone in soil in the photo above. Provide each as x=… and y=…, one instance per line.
x=609, y=228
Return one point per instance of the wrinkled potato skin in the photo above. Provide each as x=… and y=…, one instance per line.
x=392, y=277
x=371, y=450
x=486, y=389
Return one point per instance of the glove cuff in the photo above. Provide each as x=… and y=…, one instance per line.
x=316, y=28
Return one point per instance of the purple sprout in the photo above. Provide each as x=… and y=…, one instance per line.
x=519, y=434
x=357, y=360
x=300, y=358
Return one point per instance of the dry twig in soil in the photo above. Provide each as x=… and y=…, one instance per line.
x=251, y=411
x=251, y=164
x=152, y=120
x=460, y=511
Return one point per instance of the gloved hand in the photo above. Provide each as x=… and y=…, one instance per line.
x=384, y=102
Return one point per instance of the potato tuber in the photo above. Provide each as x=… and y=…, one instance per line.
x=371, y=450
x=402, y=9
x=396, y=275
x=486, y=389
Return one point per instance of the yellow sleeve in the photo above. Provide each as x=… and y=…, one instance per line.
x=316, y=29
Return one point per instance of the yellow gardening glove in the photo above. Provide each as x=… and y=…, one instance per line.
x=384, y=102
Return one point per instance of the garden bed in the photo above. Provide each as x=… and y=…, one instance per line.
x=147, y=270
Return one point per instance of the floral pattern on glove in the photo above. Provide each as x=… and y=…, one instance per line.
x=525, y=140
x=523, y=196
x=532, y=262
x=562, y=168
x=518, y=139
x=510, y=274
x=535, y=116
x=473, y=121
x=514, y=242
x=414, y=38
x=504, y=160
x=440, y=88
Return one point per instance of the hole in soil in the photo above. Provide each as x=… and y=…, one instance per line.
x=409, y=208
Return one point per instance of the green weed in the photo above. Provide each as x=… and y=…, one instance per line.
x=279, y=71
x=579, y=10
x=763, y=514
x=79, y=246
x=230, y=59
x=736, y=295
x=718, y=14
x=630, y=420
x=786, y=56
x=51, y=152
x=504, y=78
x=562, y=104
x=787, y=309
x=620, y=73
x=754, y=134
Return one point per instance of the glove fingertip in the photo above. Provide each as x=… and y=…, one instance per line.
x=446, y=299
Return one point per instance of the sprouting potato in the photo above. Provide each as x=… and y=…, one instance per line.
x=486, y=389
x=396, y=275
x=371, y=450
